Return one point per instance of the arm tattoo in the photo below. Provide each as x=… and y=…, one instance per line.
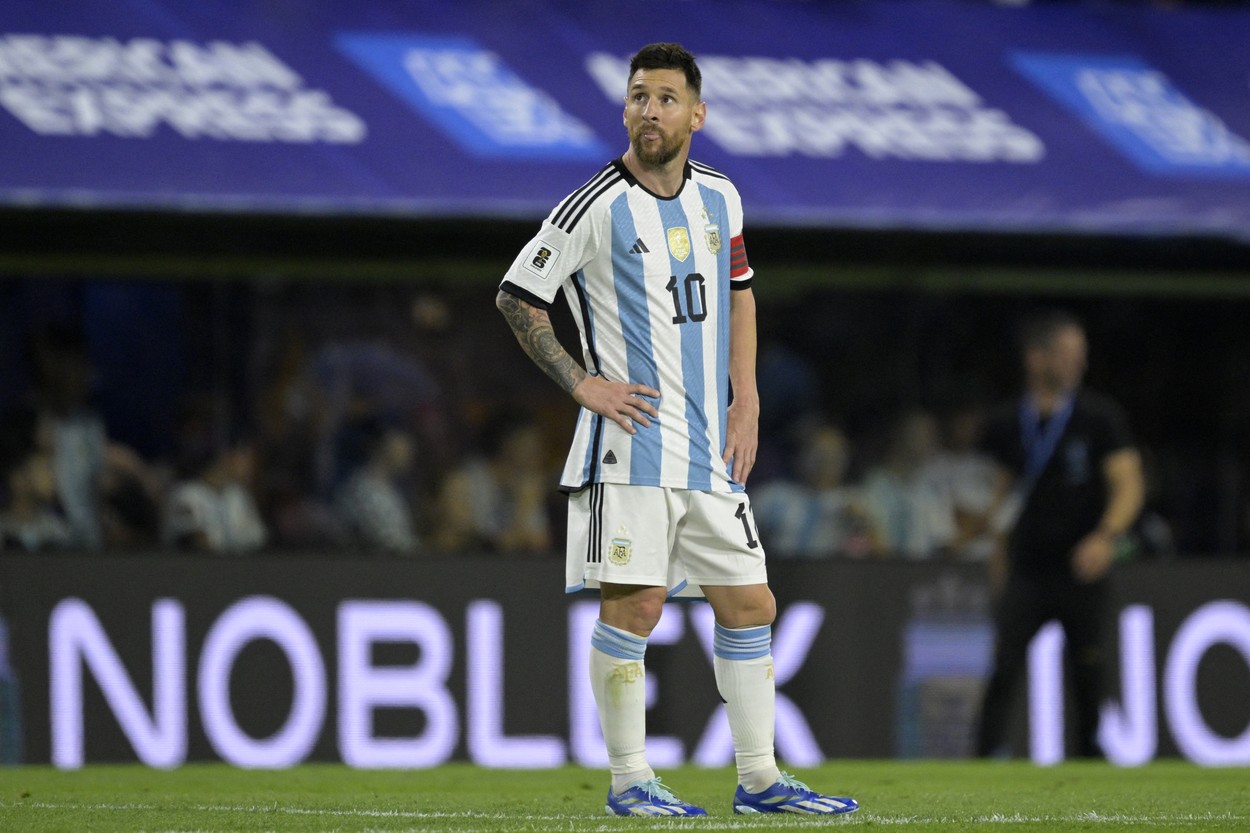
x=533, y=330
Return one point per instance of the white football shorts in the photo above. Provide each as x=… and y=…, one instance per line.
x=661, y=537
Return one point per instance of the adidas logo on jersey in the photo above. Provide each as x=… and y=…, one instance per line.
x=609, y=458
x=639, y=248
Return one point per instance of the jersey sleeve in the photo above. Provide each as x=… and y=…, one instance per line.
x=1114, y=433
x=544, y=264
x=740, y=271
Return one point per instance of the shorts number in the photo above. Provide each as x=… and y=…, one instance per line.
x=695, y=309
x=741, y=515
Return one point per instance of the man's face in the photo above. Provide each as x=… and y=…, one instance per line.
x=1060, y=365
x=661, y=113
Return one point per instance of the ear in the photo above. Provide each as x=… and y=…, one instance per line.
x=698, y=116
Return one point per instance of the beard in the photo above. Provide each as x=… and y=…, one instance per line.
x=659, y=153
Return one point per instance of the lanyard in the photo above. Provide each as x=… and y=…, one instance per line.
x=1039, y=444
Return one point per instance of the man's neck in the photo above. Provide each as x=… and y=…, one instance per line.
x=662, y=180
x=1048, y=400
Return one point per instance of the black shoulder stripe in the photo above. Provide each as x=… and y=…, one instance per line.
x=589, y=200
x=707, y=170
x=574, y=199
x=524, y=294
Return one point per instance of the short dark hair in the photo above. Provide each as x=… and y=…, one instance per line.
x=1038, y=329
x=668, y=56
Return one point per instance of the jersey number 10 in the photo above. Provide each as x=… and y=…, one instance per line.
x=695, y=309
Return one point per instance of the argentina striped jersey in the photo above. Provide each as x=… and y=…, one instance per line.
x=647, y=279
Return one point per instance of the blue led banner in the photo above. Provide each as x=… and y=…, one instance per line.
x=923, y=115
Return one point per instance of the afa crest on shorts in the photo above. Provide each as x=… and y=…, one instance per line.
x=621, y=549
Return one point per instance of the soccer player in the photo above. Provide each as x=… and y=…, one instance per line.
x=650, y=256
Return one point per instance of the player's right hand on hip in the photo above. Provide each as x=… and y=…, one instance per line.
x=625, y=403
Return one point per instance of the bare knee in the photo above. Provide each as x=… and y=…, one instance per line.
x=742, y=607
x=755, y=612
x=631, y=608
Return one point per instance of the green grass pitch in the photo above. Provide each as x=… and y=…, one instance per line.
x=1000, y=796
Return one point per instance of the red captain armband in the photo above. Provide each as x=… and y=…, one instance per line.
x=737, y=257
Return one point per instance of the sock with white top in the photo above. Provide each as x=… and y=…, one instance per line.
x=618, y=679
x=744, y=675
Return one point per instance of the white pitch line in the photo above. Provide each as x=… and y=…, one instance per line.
x=587, y=823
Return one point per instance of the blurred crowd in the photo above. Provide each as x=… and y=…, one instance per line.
x=405, y=423
x=347, y=442
x=344, y=477
x=347, y=478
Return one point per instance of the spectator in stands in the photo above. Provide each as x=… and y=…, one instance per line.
x=131, y=491
x=371, y=504
x=71, y=429
x=29, y=520
x=910, y=511
x=815, y=514
x=212, y=508
x=352, y=380
x=966, y=475
x=498, y=501
x=108, y=495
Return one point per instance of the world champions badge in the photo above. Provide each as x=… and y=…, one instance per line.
x=679, y=242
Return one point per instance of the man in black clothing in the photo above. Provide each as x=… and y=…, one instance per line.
x=1070, y=485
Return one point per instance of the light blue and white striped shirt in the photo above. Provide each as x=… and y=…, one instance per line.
x=648, y=280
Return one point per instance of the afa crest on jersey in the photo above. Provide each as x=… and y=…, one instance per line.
x=679, y=242
x=712, y=234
